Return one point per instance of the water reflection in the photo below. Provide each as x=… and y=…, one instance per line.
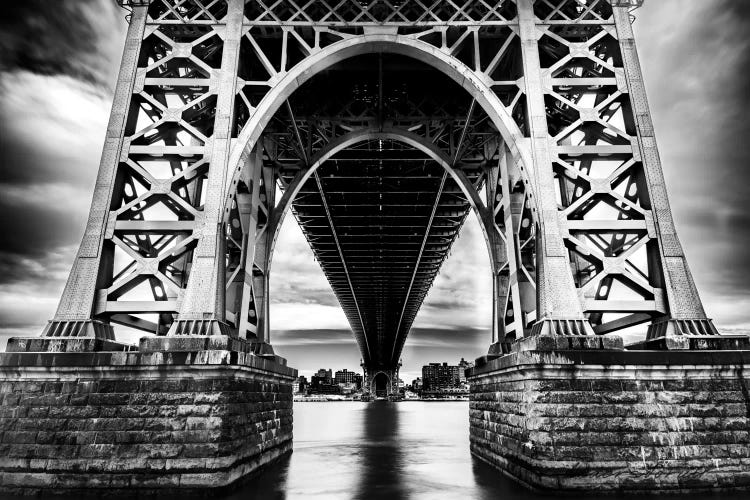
x=380, y=450
x=381, y=460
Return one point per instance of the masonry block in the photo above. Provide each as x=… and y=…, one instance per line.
x=614, y=421
x=75, y=422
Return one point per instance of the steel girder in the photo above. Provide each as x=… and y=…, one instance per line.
x=554, y=127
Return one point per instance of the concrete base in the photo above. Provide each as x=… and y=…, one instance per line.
x=71, y=344
x=141, y=422
x=694, y=343
x=551, y=343
x=614, y=420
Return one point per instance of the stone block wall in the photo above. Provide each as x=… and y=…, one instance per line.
x=108, y=422
x=615, y=421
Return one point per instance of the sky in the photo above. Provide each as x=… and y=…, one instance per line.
x=58, y=69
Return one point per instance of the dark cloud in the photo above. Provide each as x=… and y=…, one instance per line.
x=461, y=338
x=37, y=227
x=295, y=275
x=50, y=130
x=58, y=66
x=696, y=60
x=60, y=37
x=315, y=336
x=48, y=162
x=418, y=337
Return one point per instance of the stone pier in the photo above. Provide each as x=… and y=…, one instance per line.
x=381, y=382
x=143, y=421
x=611, y=420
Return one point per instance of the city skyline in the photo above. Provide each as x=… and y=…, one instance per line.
x=403, y=375
x=55, y=95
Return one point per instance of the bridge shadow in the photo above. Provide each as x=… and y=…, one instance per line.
x=381, y=459
x=356, y=454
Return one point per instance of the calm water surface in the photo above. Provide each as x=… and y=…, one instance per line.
x=408, y=450
x=353, y=450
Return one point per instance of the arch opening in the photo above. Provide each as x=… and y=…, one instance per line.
x=425, y=116
x=381, y=385
x=417, y=51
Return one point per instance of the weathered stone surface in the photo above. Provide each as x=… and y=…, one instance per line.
x=550, y=343
x=581, y=420
x=69, y=344
x=697, y=343
x=155, y=421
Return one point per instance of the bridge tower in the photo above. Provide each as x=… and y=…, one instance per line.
x=230, y=114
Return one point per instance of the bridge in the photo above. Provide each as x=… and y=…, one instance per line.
x=378, y=125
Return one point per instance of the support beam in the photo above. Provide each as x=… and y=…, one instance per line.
x=343, y=260
x=397, y=338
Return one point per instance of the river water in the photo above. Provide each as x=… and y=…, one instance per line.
x=408, y=450
x=380, y=450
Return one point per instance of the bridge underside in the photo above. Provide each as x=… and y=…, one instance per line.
x=380, y=218
x=380, y=215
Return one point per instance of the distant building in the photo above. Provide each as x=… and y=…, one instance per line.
x=323, y=383
x=300, y=384
x=316, y=382
x=345, y=376
x=464, y=365
x=438, y=377
x=325, y=375
x=416, y=384
x=348, y=381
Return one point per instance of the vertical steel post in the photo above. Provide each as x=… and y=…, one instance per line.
x=686, y=314
x=203, y=311
x=74, y=312
x=558, y=306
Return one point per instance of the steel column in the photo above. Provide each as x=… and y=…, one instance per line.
x=558, y=306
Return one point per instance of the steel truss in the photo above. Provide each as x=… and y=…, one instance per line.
x=531, y=112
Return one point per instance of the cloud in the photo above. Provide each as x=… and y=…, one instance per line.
x=58, y=65
x=300, y=316
x=461, y=296
x=462, y=339
x=697, y=77
x=51, y=130
x=313, y=336
x=79, y=38
x=296, y=278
